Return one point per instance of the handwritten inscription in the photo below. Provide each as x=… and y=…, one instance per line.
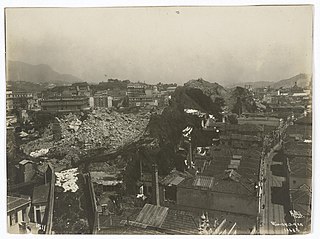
x=284, y=224
x=296, y=214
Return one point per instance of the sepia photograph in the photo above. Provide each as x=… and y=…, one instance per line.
x=159, y=120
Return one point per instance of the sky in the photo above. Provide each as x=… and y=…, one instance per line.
x=165, y=44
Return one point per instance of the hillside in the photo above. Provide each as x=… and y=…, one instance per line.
x=303, y=80
x=41, y=74
x=212, y=90
x=26, y=86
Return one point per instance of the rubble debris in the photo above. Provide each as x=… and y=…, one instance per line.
x=68, y=180
x=101, y=129
x=39, y=153
x=23, y=134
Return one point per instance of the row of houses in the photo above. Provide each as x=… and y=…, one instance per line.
x=298, y=154
x=220, y=179
x=31, y=213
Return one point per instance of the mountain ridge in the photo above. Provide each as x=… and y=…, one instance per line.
x=303, y=80
x=39, y=74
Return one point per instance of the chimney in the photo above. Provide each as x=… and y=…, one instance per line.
x=155, y=185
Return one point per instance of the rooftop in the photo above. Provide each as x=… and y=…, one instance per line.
x=174, y=221
x=25, y=161
x=40, y=194
x=300, y=167
x=14, y=203
x=241, y=180
x=175, y=177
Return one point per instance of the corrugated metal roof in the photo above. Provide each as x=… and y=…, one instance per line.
x=203, y=181
x=177, y=180
x=152, y=215
x=25, y=161
x=174, y=178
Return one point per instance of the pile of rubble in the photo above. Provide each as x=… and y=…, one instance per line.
x=67, y=179
x=101, y=129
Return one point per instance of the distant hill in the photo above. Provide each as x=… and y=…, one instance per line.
x=303, y=80
x=39, y=74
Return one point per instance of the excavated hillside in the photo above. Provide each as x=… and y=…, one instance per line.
x=212, y=90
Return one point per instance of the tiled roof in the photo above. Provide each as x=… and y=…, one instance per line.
x=301, y=201
x=245, y=137
x=225, y=185
x=247, y=170
x=300, y=166
x=307, y=120
x=300, y=196
x=305, y=130
x=16, y=202
x=298, y=149
x=40, y=194
x=180, y=221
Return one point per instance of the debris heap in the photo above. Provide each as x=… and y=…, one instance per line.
x=101, y=129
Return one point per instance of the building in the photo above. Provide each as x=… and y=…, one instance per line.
x=110, y=98
x=40, y=202
x=80, y=89
x=26, y=171
x=298, y=154
x=18, y=99
x=101, y=99
x=135, y=90
x=166, y=220
x=9, y=99
x=300, y=203
x=104, y=181
x=76, y=89
x=140, y=96
x=227, y=183
x=17, y=213
x=65, y=104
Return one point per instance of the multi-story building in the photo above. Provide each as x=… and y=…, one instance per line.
x=9, y=99
x=140, y=96
x=17, y=99
x=101, y=99
x=135, y=90
x=65, y=104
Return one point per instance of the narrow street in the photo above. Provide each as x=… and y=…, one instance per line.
x=272, y=211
